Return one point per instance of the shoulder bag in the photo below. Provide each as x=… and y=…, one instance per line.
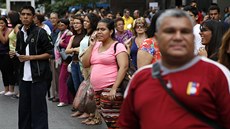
x=156, y=73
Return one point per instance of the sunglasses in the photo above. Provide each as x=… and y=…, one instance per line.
x=203, y=29
x=139, y=26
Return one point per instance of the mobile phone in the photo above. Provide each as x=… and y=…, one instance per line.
x=17, y=54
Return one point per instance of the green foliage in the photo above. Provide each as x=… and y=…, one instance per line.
x=61, y=6
x=58, y=6
x=2, y=3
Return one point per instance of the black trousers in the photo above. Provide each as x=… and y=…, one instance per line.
x=33, y=112
x=7, y=69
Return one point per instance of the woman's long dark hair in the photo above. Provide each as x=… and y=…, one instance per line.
x=93, y=19
x=224, y=56
x=14, y=18
x=218, y=29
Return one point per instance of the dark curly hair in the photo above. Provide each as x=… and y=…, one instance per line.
x=4, y=20
x=93, y=19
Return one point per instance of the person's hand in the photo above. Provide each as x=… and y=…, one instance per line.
x=206, y=17
x=12, y=54
x=93, y=38
x=128, y=42
x=112, y=94
x=75, y=50
x=202, y=52
x=23, y=58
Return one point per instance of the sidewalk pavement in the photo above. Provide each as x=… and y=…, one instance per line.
x=59, y=117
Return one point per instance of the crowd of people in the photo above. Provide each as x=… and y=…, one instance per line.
x=81, y=60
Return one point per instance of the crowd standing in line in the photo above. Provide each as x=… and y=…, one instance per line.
x=96, y=45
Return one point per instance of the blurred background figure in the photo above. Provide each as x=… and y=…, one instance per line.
x=148, y=51
x=193, y=12
x=14, y=19
x=121, y=34
x=38, y=20
x=211, y=32
x=128, y=20
x=224, y=54
x=5, y=65
x=133, y=44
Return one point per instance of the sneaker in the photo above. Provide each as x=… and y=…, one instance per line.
x=9, y=93
x=61, y=104
x=2, y=92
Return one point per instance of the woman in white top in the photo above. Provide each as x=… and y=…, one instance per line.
x=38, y=19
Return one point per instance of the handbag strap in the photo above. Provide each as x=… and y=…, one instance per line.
x=156, y=73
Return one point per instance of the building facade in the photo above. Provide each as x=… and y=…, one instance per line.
x=17, y=4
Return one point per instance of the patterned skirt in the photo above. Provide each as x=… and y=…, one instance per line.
x=109, y=109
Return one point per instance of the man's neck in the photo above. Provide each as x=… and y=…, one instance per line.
x=174, y=64
x=26, y=27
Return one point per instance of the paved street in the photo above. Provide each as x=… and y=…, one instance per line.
x=59, y=117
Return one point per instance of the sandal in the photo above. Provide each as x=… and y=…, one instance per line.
x=86, y=120
x=94, y=121
x=75, y=114
x=83, y=116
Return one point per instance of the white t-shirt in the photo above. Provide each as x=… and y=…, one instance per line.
x=27, y=75
x=83, y=45
x=197, y=40
x=45, y=27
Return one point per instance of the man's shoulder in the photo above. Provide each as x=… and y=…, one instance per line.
x=210, y=63
x=38, y=30
x=142, y=74
x=140, y=78
x=214, y=67
x=143, y=70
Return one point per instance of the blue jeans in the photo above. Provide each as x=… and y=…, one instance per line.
x=76, y=75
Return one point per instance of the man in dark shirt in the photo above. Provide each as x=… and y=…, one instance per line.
x=33, y=50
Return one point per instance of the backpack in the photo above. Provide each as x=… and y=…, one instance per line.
x=129, y=73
